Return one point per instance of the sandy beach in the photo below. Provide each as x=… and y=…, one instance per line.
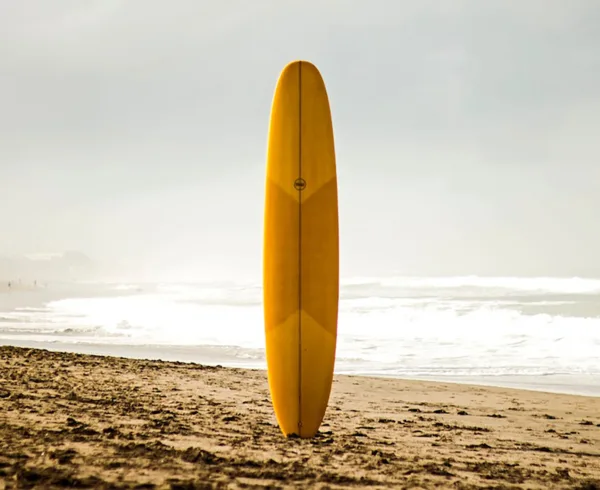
x=69, y=420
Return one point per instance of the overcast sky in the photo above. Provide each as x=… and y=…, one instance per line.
x=467, y=132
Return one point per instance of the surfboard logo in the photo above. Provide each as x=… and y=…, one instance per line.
x=300, y=184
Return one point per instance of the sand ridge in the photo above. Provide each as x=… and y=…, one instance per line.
x=70, y=420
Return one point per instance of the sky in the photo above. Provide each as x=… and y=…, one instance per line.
x=466, y=132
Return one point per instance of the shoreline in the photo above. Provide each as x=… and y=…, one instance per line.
x=567, y=384
x=110, y=422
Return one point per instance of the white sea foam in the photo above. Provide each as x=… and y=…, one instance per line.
x=457, y=326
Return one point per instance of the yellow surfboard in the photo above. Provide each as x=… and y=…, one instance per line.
x=301, y=251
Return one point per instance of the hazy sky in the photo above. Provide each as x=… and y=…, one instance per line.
x=467, y=132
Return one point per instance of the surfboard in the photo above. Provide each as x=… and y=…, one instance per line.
x=301, y=251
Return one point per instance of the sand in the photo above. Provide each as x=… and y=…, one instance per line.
x=70, y=420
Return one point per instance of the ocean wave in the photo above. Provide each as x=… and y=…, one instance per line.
x=415, y=289
x=572, y=285
x=404, y=325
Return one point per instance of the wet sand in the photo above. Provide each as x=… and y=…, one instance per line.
x=80, y=421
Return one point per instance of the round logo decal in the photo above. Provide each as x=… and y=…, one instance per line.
x=300, y=184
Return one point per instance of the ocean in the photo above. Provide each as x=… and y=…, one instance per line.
x=536, y=333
